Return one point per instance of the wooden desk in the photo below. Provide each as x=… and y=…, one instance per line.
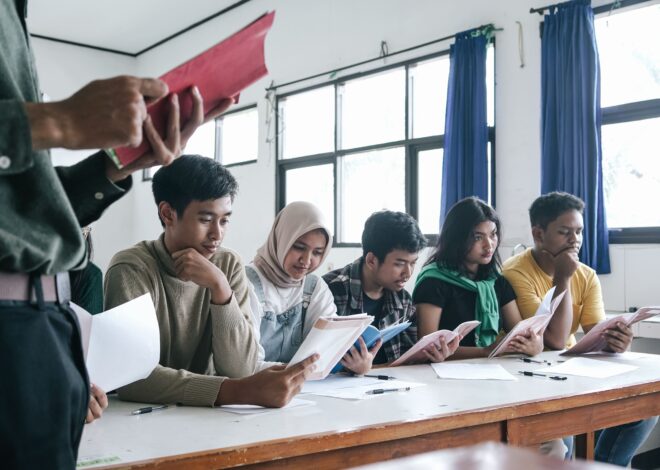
x=485, y=456
x=339, y=433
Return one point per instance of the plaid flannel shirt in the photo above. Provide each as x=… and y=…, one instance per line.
x=346, y=287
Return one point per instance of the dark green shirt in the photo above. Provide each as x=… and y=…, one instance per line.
x=41, y=208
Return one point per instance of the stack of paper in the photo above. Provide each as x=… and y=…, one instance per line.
x=538, y=323
x=330, y=338
x=416, y=353
x=588, y=368
x=593, y=341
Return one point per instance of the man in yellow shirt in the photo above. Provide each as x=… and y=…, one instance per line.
x=557, y=225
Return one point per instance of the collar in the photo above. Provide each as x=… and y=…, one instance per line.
x=164, y=257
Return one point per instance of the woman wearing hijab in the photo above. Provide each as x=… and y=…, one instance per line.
x=286, y=298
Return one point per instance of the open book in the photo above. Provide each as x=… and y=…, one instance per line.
x=373, y=334
x=120, y=345
x=330, y=338
x=416, y=353
x=594, y=342
x=538, y=323
x=219, y=72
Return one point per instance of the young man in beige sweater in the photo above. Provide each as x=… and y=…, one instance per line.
x=208, y=351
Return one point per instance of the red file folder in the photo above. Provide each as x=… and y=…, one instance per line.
x=220, y=72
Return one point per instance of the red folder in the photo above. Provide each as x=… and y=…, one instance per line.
x=220, y=72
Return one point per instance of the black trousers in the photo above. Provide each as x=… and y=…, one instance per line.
x=44, y=390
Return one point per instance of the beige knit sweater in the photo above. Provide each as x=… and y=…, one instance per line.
x=200, y=343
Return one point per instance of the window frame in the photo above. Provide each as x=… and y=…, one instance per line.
x=623, y=113
x=411, y=146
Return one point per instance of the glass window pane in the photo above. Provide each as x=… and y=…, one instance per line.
x=369, y=181
x=314, y=184
x=239, y=136
x=631, y=173
x=490, y=85
x=629, y=48
x=428, y=96
x=202, y=142
x=373, y=109
x=307, y=123
x=429, y=174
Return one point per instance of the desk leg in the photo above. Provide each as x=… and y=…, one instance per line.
x=584, y=446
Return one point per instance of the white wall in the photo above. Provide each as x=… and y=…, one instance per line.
x=312, y=37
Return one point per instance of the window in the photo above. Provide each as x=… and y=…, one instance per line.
x=370, y=142
x=233, y=138
x=629, y=47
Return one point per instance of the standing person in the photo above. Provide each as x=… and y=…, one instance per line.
x=375, y=282
x=208, y=348
x=44, y=391
x=557, y=224
x=286, y=297
x=461, y=282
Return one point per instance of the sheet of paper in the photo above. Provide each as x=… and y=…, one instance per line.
x=337, y=382
x=360, y=392
x=584, y=367
x=256, y=409
x=220, y=72
x=462, y=371
x=124, y=344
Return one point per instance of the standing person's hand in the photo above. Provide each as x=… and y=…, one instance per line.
x=98, y=401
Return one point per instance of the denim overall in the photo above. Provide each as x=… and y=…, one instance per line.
x=282, y=333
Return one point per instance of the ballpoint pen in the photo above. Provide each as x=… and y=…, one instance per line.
x=536, y=361
x=380, y=377
x=380, y=391
x=532, y=374
x=148, y=409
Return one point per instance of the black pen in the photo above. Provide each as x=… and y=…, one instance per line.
x=381, y=377
x=536, y=361
x=148, y=409
x=380, y=391
x=531, y=374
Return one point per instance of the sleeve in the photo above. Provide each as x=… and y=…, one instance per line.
x=322, y=304
x=235, y=344
x=431, y=291
x=504, y=291
x=124, y=282
x=526, y=296
x=88, y=188
x=593, y=309
x=15, y=137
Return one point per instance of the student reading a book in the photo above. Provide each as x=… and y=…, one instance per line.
x=461, y=282
x=374, y=283
x=208, y=350
x=557, y=225
x=286, y=298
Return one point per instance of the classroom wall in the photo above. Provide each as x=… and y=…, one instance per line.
x=312, y=37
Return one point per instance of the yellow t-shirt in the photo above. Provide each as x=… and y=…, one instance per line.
x=531, y=283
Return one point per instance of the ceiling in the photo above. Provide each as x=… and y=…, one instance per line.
x=128, y=26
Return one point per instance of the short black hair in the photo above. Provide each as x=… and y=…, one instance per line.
x=457, y=237
x=385, y=231
x=548, y=207
x=192, y=178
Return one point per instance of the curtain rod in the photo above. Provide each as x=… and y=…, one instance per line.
x=383, y=56
x=609, y=6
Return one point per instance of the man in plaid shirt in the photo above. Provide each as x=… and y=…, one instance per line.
x=374, y=283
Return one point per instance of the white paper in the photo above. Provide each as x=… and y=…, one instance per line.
x=453, y=370
x=337, y=382
x=256, y=409
x=123, y=342
x=584, y=367
x=360, y=392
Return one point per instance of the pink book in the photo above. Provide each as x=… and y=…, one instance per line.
x=416, y=353
x=220, y=72
x=594, y=342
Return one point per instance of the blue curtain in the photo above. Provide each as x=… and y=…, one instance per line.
x=571, y=143
x=465, y=161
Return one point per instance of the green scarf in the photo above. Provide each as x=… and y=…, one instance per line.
x=486, y=309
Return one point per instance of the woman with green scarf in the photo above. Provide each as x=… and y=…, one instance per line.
x=461, y=281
